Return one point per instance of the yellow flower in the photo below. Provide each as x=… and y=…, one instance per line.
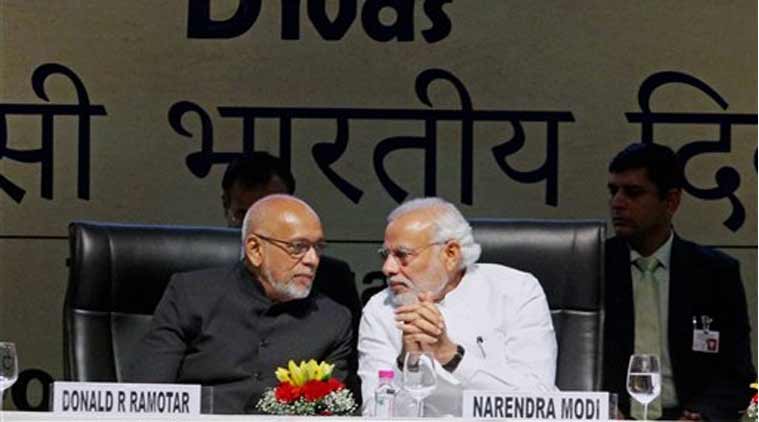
x=297, y=375
x=326, y=369
x=754, y=386
x=283, y=375
x=312, y=369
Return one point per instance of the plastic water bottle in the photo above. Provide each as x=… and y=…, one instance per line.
x=384, y=395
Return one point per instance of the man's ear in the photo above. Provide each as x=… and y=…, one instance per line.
x=253, y=251
x=673, y=201
x=452, y=255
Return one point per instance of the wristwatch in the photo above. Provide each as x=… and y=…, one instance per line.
x=452, y=364
x=399, y=361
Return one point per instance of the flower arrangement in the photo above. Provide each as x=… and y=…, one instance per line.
x=307, y=389
x=752, y=411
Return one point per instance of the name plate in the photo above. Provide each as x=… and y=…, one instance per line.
x=567, y=405
x=126, y=399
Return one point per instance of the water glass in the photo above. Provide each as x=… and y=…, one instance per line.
x=8, y=367
x=644, y=379
x=419, y=377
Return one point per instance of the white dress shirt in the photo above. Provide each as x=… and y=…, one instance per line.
x=501, y=318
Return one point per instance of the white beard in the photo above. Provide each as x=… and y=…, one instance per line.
x=288, y=290
x=405, y=298
x=410, y=297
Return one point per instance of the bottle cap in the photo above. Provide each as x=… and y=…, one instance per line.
x=384, y=373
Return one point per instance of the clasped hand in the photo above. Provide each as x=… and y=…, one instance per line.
x=423, y=328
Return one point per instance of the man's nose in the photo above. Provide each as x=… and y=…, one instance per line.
x=311, y=258
x=618, y=200
x=390, y=266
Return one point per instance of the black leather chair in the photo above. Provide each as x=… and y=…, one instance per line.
x=567, y=257
x=117, y=275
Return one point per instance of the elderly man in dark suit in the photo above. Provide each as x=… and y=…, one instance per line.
x=252, y=177
x=231, y=327
x=672, y=298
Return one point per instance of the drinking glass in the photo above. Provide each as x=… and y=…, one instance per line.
x=419, y=377
x=644, y=379
x=8, y=367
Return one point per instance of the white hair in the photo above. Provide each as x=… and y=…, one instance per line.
x=245, y=228
x=244, y=233
x=449, y=224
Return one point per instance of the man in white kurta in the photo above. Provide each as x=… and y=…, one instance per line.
x=487, y=325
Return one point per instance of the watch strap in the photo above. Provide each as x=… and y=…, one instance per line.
x=452, y=364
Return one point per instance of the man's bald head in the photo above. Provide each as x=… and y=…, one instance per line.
x=282, y=240
x=274, y=212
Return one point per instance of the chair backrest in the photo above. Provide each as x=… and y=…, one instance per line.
x=567, y=257
x=117, y=275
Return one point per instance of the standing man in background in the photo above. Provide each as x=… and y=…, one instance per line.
x=672, y=298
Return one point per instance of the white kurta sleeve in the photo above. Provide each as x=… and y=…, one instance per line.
x=522, y=356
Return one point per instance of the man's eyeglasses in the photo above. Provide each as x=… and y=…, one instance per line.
x=296, y=249
x=404, y=256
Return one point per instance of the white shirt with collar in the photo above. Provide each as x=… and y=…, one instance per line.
x=501, y=318
x=661, y=275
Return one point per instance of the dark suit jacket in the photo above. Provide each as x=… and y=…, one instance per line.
x=216, y=327
x=335, y=279
x=702, y=282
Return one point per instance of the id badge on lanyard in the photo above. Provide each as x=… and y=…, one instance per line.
x=704, y=339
